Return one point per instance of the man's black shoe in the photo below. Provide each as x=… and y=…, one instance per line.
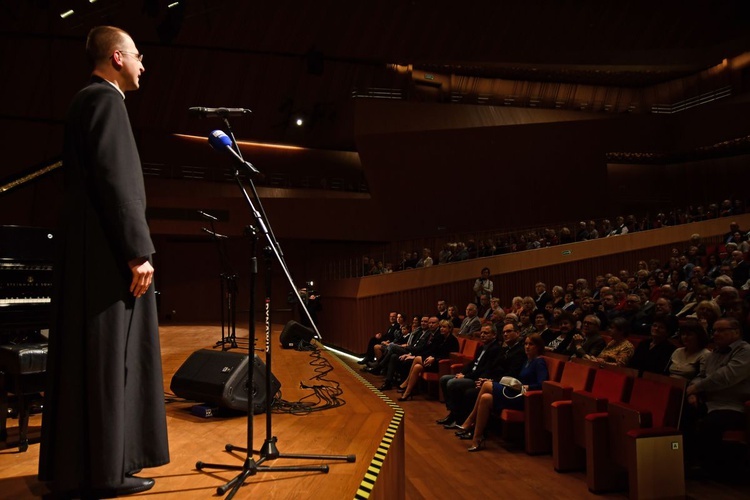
x=362, y=361
x=448, y=420
x=385, y=387
x=129, y=486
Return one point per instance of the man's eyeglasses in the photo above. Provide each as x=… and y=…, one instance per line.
x=134, y=54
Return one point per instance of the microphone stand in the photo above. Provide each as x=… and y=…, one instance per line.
x=268, y=451
x=227, y=290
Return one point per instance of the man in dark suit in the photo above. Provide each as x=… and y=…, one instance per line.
x=379, y=338
x=542, y=297
x=402, y=364
x=454, y=386
x=589, y=341
x=741, y=269
x=508, y=362
x=104, y=415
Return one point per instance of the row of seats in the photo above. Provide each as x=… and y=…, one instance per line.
x=624, y=430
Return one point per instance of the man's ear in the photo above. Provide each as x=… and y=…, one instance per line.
x=117, y=59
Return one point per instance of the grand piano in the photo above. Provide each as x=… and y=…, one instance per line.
x=26, y=258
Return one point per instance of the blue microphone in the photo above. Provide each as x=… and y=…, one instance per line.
x=221, y=142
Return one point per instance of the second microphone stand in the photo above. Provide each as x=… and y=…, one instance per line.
x=268, y=451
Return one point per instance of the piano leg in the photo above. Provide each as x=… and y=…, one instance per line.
x=23, y=422
x=3, y=408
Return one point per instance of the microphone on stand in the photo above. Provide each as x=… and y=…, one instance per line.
x=201, y=112
x=214, y=234
x=221, y=142
x=207, y=216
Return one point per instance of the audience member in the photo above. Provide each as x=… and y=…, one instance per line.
x=542, y=297
x=619, y=350
x=484, y=309
x=542, y=327
x=456, y=387
x=400, y=365
x=484, y=285
x=471, y=322
x=723, y=387
x=589, y=341
x=653, y=355
x=496, y=397
x=442, y=310
x=690, y=360
x=426, y=260
x=440, y=348
x=707, y=313
x=560, y=343
x=453, y=316
x=389, y=335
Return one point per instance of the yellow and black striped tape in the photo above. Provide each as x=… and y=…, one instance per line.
x=368, y=482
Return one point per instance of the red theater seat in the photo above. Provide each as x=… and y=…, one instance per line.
x=637, y=442
x=568, y=417
x=533, y=414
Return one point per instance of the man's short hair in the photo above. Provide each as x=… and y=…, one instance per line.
x=593, y=318
x=101, y=41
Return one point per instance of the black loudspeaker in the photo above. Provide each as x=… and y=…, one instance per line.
x=293, y=333
x=220, y=378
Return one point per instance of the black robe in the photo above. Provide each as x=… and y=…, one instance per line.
x=104, y=411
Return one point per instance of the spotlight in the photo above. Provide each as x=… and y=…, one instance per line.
x=299, y=122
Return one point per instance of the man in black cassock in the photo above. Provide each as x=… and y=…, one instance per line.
x=104, y=416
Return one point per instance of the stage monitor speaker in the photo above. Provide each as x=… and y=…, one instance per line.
x=293, y=333
x=220, y=378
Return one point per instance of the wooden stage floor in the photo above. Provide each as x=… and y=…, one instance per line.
x=436, y=464
x=354, y=428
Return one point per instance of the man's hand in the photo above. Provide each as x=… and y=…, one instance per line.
x=459, y=375
x=143, y=273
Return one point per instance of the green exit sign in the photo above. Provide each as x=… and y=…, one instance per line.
x=429, y=76
x=567, y=252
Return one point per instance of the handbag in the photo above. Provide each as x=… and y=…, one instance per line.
x=514, y=384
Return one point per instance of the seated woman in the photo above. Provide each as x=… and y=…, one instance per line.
x=707, y=312
x=453, y=316
x=687, y=362
x=690, y=360
x=440, y=348
x=495, y=397
x=560, y=343
x=619, y=350
x=516, y=305
x=653, y=355
x=526, y=328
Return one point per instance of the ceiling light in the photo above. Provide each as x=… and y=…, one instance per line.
x=299, y=122
x=66, y=14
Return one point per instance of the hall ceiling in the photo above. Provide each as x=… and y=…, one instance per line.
x=286, y=58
